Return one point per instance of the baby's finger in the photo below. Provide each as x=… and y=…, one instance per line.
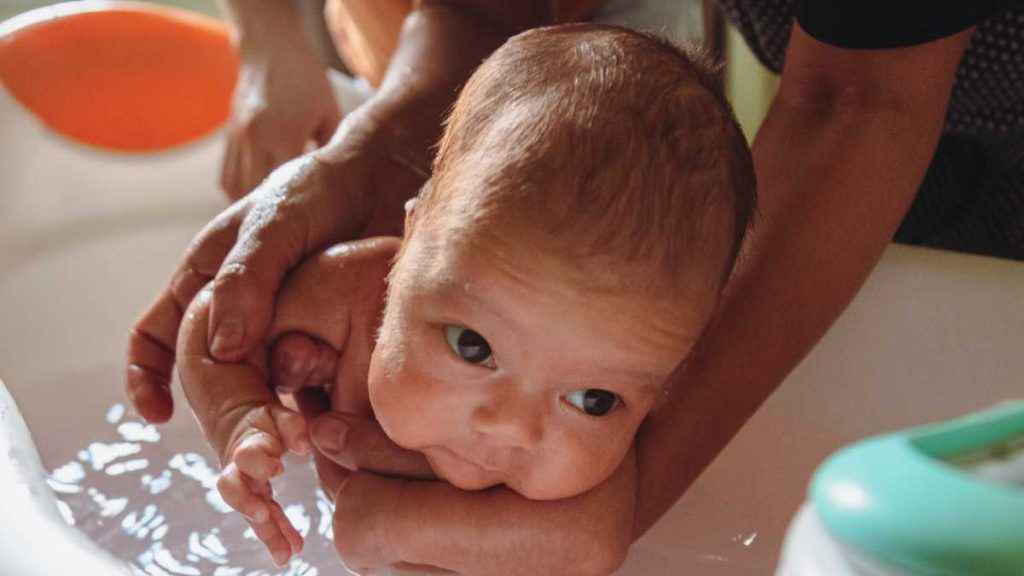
x=291, y=535
x=259, y=455
x=259, y=487
x=291, y=427
x=298, y=361
x=359, y=443
x=236, y=493
x=270, y=534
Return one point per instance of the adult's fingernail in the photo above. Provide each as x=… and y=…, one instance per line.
x=228, y=336
x=329, y=434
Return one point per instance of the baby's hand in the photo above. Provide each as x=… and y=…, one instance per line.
x=253, y=458
x=335, y=298
x=246, y=425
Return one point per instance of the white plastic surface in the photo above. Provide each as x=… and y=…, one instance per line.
x=34, y=540
x=810, y=551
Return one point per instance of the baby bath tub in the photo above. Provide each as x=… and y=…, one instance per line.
x=89, y=236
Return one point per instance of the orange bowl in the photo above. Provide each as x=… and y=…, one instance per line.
x=120, y=75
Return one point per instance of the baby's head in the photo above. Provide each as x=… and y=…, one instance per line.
x=588, y=201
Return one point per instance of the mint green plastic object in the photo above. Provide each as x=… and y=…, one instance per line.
x=901, y=499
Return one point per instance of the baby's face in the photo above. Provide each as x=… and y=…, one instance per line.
x=502, y=374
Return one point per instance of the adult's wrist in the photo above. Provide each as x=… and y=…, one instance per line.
x=395, y=126
x=375, y=173
x=261, y=27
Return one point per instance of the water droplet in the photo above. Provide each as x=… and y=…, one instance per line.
x=137, y=432
x=115, y=413
x=129, y=466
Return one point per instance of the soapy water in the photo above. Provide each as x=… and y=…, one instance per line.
x=159, y=510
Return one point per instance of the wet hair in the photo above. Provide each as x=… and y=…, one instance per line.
x=616, y=145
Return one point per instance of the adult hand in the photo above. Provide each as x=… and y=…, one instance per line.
x=282, y=99
x=282, y=102
x=354, y=189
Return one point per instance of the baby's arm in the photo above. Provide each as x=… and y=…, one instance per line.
x=335, y=297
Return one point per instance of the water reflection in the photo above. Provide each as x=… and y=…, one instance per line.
x=161, y=512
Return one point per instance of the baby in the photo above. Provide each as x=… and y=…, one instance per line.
x=587, y=204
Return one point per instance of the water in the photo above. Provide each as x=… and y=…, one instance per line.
x=159, y=509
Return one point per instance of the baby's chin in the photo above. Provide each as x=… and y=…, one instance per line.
x=460, y=473
x=466, y=475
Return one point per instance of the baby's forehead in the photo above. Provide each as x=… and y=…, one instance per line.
x=525, y=287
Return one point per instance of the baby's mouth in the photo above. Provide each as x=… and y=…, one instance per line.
x=470, y=461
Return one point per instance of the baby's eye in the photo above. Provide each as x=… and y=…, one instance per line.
x=593, y=401
x=469, y=345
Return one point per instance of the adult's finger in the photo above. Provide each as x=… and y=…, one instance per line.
x=151, y=343
x=358, y=443
x=277, y=231
x=313, y=402
x=257, y=165
x=229, y=170
x=327, y=126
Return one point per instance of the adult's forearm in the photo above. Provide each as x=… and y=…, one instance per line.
x=498, y=532
x=440, y=45
x=834, y=183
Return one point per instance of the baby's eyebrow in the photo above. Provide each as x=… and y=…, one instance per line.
x=452, y=290
x=642, y=381
x=647, y=382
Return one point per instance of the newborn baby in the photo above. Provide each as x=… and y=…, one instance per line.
x=588, y=201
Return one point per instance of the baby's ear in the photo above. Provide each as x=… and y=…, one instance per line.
x=410, y=207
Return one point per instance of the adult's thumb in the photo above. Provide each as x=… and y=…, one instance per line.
x=358, y=443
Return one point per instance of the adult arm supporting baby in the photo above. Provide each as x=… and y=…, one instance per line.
x=839, y=159
x=381, y=520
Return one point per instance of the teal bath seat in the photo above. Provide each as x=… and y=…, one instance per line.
x=945, y=499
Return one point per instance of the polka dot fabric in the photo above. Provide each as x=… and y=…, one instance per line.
x=988, y=96
x=972, y=198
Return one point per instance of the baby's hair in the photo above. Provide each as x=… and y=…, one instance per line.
x=612, y=143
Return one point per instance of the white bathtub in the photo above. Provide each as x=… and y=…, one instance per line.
x=87, y=239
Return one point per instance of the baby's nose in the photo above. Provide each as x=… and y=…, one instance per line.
x=512, y=422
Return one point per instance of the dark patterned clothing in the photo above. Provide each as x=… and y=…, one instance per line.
x=973, y=196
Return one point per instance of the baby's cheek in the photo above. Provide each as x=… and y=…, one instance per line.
x=394, y=407
x=576, y=465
